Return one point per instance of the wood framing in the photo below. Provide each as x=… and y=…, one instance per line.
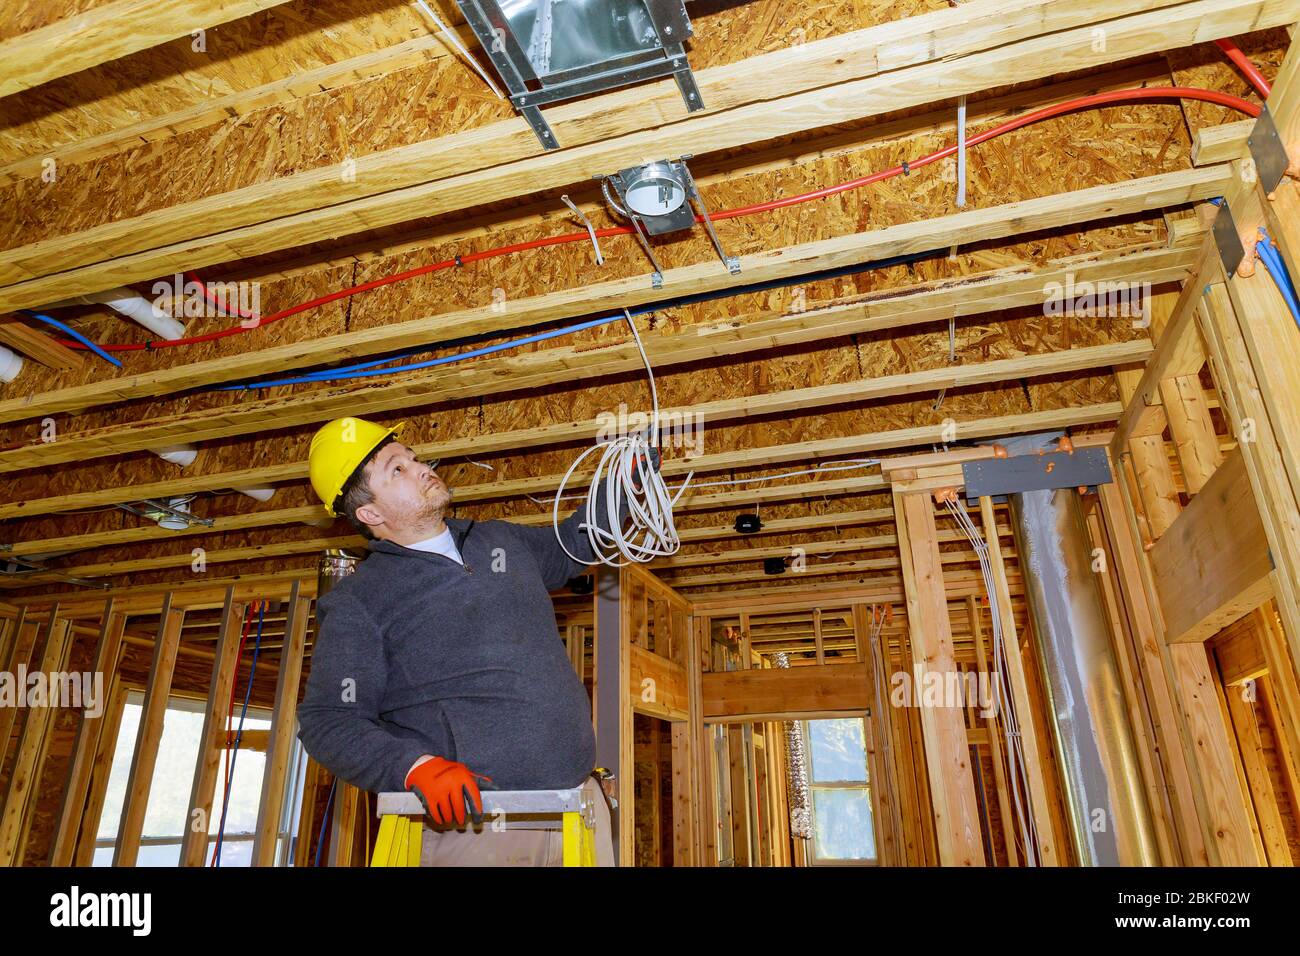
x=89, y=730
x=107, y=32
x=866, y=315
x=145, y=755
x=213, y=737
x=956, y=816
x=282, y=732
x=1212, y=565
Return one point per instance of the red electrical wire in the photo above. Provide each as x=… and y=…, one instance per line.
x=1244, y=64
x=1083, y=102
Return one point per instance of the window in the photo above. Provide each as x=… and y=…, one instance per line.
x=843, y=830
x=169, y=795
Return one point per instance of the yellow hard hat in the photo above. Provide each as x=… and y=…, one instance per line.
x=337, y=449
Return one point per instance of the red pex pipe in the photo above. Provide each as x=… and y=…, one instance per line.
x=1244, y=64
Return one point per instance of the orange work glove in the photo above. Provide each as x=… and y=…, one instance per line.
x=654, y=459
x=447, y=789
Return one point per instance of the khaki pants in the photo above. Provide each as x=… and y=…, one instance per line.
x=484, y=846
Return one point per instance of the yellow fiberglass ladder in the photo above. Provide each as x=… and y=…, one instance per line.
x=401, y=822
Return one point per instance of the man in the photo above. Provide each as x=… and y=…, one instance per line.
x=438, y=665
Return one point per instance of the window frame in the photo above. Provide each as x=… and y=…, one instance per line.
x=865, y=785
x=290, y=810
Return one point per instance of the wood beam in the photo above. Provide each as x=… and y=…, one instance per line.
x=37, y=345
x=29, y=758
x=77, y=783
x=798, y=88
x=109, y=32
x=947, y=753
x=759, y=694
x=1212, y=566
x=210, y=111
x=149, y=735
x=820, y=449
x=1034, y=749
x=212, y=738
x=79, y=446
x=283, y=728
x=996, y=222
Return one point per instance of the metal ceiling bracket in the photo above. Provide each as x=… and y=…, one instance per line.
x=1226, y=237
x=731, y=262
x=1268, y=151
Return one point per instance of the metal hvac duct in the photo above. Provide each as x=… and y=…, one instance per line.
x=1109, y=816
x=335, y=564
x=798, y=795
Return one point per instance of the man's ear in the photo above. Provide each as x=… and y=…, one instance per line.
x=369, y=515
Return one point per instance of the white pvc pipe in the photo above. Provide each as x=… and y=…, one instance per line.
x=257, y=494
x=180, y=455
x=139, y=309
x=11, y=363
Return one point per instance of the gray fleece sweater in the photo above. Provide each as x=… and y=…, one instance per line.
x=416, y=654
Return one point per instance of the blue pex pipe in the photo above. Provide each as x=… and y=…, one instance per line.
x=74, y=334
x=1272, y=259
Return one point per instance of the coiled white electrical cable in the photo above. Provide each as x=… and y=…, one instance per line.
x=625, y=473
x=650, y=503
x=843, y=464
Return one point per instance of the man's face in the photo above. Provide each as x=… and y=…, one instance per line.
x=406, y=492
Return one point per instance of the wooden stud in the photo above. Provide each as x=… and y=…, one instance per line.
x=145, y=755
x=24, y=778
x=283, y=724
x=100, y=769
x=1035, y=770
x=213, y=738
x=86, y=744
x=947, y=754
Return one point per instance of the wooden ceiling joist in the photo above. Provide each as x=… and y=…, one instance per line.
x=927, y=302
x=863, y=73
x=108, y=32
x=186, y=559
x=997, y=222
x=112, y=441
x=813, y=450
x=356, y=69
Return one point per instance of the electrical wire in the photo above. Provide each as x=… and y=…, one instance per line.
x=324, y=819
x=1244, y=64
x=370, y=369
x=1086, y=102
x=343, y=373
x=843, y=464
x=239, y=733
x=625, y=474
x=1010, y=722
x=212, y=300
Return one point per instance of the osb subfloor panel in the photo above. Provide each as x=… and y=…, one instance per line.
x=24, y=16
x=234, y=57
